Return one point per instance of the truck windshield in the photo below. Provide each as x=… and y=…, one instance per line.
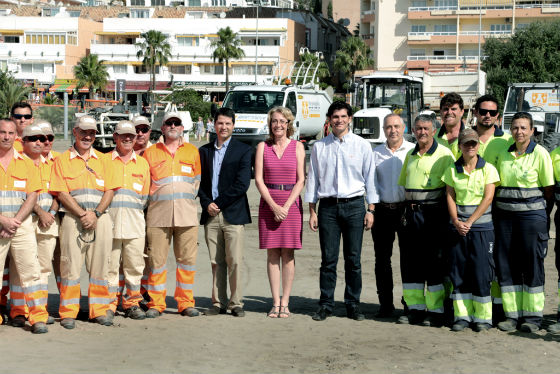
x=528, y=99
x=386, y=94
x=253, y=101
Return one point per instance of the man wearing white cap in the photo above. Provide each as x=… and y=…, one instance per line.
x=172, y=213
x=84, y=184
x=132, y=175
x=143, y=132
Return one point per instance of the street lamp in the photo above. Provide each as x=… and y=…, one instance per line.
x=257, y=3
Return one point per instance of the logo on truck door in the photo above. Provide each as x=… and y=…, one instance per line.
x=305, y=109
x=539, y=98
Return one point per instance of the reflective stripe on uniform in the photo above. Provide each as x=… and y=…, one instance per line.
x=424, y=196
x=173, y=196
x=465, y=211
x=176, y=178
x=520, y=199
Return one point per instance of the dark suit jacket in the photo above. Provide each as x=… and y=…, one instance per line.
x=234, y=181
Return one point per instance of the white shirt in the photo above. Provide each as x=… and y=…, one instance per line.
x=341, y=169
x=388, y=167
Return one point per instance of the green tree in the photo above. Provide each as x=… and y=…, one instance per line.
x=189, y=99
x=329, y=10
x=51, y=99
x=226, y=48
x=532, y=55
x=354, y=54
x=323, y=74
x=154, y=50
x=12, y=92
x=318, y=6
x=91, y=73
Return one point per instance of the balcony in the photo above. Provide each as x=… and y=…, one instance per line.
x=487, y=11
x=367, y=17
x=447, y=59
x=33, y=52
x=450, y=37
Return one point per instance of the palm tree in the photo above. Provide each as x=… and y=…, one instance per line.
x=312, y=60
x=226, y=48
x=91, y=73
x=12, y=92
x=153, y=50
x=353, y=55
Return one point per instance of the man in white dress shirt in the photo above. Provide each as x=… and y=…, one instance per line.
x=388, y=158
x=341, y=172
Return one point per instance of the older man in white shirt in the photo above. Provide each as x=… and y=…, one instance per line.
x=341, y=172
x=388, y=158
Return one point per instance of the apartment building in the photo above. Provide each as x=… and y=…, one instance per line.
x=443, y=35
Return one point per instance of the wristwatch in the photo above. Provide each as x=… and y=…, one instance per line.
x=372, y=211
x=52, y=212
x=97, y=213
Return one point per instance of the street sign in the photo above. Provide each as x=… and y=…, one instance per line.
x=121, y=86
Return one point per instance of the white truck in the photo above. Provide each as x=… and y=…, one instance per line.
x=252, y=103
x=542, y=101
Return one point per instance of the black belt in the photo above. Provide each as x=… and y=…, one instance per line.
x=338, y=200
x=282, y=187
x=423, y=207
x=399, y=205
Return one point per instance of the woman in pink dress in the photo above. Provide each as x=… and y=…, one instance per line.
x=279, y=176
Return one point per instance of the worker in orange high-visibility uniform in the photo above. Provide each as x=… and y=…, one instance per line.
x=132, y=175
x=84, y=185
x=19, y=184
x=45, y=221
x=172, y=212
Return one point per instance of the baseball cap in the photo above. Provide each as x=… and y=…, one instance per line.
x=45, y=126
x=32, y=130
x=468, y=135
x=86, y=123
x=125, y=127
x=141, y=120
x=171, y=115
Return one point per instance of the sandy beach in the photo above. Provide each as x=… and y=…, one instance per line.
x=257, y=344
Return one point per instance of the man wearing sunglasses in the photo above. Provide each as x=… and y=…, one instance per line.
x=492, y=138
x=85, y=187
x=22, y=115
x=20, y=182
x=45, y=222
x=143, y=132
x=172, y=214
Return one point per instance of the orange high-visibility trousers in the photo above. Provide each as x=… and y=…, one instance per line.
x=73, y=252
x=126, y=267
x=185, y=249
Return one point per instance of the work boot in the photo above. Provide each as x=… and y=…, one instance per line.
x=215, y=310
x=190, y=312
x=529, y=327
x=103, y=320
x=19, y=321
x=135, y=312
x=110, y=315
x=479, y=327
x=39, y=328
x=433, y=320
x=460, y=325
x=4, y=314
x=508, y=325
x=68, y=323
x=385, y=311
x=353, y=312
x=403, y=320
x=152, y=313
x=554, y=329
x=50, y=320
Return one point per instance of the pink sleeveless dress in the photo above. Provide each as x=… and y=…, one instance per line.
x=283, y=171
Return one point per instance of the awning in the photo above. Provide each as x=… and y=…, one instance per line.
x=66, y=88
x=11, y=32
x=118, y=33
x=249, y=63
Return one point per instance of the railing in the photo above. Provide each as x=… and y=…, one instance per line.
x=445, y=58
x=367, y=12
x=461, y=33
x=432, y=33
x=485, y=7
x=367, y=36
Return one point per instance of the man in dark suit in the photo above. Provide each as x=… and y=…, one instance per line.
x=226, y=175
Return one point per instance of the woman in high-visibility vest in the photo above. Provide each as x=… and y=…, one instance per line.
x=471, y=182
x=527, y=181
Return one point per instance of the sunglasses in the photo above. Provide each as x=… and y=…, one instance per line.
x=20, y=116
x=483, y=112
x=34, y=138
x=50, y=138
x=143, y=130
x=173, y=123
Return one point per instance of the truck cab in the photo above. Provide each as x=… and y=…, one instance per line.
x=383, y=93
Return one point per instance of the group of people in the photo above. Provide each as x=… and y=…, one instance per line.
x=470, y=208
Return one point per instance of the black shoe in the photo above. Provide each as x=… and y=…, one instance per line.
x=508, y=325
x=190, y=312
x=4, y=314
x=403, y=320
x=18, y=321
x=529, y=327
x=433, y=320
x=135, y=312
x=215, y=310
x=103, y=320
x=460, y=325
x=238, y=312
x=68, y=323
x=152, y=313
x=321, y=314
x=353, y=312
x=50, y=320
x=416, y=317
x=385, y=312
x=39, y=328
x=479, y=327
x=554, y=328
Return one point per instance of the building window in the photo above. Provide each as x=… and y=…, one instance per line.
x=419, y=4
x=158, y=2
x=193, y=3
x=445, y=28
x=188, y=41
x=32, y=68
x=418, y=52
x=70, y=37
x=180, y=69
x=137, y=2
x=521, y=26
x=120, y=69
x=139, y=13
x=73, y=13
x=445, y=3
x=10, y=39
x=50, y=12
x=3, y=65
x=418, y=28
x=501, y=27
x=469, y=52
x=218, y=2
x=141, y=69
